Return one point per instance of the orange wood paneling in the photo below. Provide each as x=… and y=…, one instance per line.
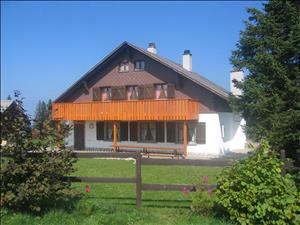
x=169, y=109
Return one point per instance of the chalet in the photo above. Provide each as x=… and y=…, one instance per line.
x=136, y=98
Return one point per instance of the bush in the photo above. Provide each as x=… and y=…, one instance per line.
x=34, y=183
x=203, y=199
x=253, y=191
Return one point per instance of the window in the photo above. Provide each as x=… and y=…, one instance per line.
x=196, y=133
x=139, y=65
x=148, y=132
x=164, y=91
x=118, y=93
x=124, y=66
x=105, y=93
x=132, y=92
x=161, y=91
x=100, y=130
x=96, y=94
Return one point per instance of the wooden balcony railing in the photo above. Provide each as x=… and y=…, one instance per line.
x=170, y=109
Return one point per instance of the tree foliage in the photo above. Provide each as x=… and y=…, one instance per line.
x=42, y=113
x=34, y=183
x=269, y=52
x=253, y=191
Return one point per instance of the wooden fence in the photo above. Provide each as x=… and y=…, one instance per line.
x=140, y=187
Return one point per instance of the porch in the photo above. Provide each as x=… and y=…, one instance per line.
x=145, y=121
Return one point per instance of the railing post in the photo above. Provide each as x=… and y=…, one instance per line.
x=185, y=138
x=283, y=159
x=138, y=179
x=115, y=135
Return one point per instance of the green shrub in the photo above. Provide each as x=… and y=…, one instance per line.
x=202, y=203
x=252, y=191
x=34, y=183
x=203, y=199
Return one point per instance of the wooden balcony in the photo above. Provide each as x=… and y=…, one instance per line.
x=169, y=109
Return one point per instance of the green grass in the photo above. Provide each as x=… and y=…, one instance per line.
x=115, y=203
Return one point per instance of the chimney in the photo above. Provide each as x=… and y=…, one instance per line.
x=239, y=76
x=187, y=60
x=152, y=48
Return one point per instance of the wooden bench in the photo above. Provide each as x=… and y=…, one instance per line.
x=152, y=150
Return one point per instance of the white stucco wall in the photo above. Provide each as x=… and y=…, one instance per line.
x=90, y=133
x=69, y=141
x=234, y=138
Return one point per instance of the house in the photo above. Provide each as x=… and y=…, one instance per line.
x=136, y=97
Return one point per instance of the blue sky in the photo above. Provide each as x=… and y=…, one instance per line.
x=47, y=46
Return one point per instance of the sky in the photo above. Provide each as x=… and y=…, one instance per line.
x=47, y=46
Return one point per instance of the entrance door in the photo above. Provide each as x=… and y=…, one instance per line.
x=79, y=136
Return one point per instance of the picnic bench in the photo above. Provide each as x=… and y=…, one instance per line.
x=151, y=150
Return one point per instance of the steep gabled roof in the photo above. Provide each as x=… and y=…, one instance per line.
x=195, y=77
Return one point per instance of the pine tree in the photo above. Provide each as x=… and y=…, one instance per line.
x=41, y=114
x=269, y=53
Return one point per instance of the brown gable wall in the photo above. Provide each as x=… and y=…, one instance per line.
x=154, y=73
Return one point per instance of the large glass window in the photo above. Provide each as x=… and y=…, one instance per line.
x=132, y=92
x=161, y=91
x=105, y=93
x=148, y=132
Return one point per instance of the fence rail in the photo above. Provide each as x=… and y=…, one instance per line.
x=140, y=187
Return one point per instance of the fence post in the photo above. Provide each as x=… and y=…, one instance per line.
x=138, y=177
x=283, y=159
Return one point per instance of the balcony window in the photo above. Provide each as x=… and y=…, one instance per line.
x=132, y=92
x=139, y=65
x=161, y=91
x=106, y=93
x=124, y=66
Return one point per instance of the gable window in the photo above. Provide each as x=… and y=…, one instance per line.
x=132, y=92
x=124, y=66
x=105, y=93
x=139, y=65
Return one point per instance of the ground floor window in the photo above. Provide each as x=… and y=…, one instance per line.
x=148, y=131
x=196, y=133
x=171, y=132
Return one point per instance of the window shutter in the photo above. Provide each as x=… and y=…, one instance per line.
x=141, y=92
x=100, y=130
x=118, y=93
x=148, y=91
x=201, y=133
x=171, y=91
x=96, y=94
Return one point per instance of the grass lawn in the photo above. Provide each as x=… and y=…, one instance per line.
x=115, y=203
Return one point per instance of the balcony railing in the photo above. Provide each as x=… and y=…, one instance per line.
x=170, y=109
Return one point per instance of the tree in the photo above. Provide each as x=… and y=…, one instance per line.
x=8, y=97
x=269, y=53
x=43, y=112
x=34, y=183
